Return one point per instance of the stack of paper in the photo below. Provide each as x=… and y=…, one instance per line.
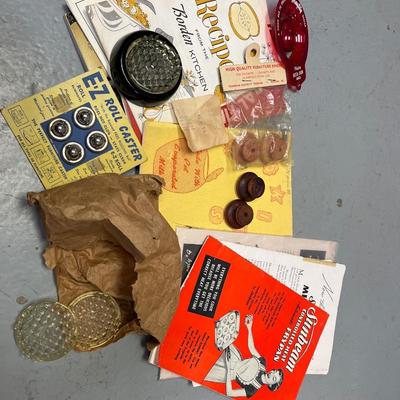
x=221, y=287
x=300, y=264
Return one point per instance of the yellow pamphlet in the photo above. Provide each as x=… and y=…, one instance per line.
x=199, y=185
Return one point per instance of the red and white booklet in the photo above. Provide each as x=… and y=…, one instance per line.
x=239, y=331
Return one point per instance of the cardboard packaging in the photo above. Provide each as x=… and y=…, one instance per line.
x=31, y=122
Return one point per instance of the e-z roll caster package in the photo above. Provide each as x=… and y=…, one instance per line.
x=74, y=130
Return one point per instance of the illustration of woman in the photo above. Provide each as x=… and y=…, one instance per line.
x=250, y=373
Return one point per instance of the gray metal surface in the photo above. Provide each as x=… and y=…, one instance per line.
x=346, y=187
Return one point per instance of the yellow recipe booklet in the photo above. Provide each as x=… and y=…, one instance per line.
x=199, y=185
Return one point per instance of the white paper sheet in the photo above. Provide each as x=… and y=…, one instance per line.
x=313, y=248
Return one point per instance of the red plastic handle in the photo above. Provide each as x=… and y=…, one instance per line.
x=291, y=39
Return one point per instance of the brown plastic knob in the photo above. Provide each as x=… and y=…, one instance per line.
x=279, y=149
x=250, y=186
x=250, y=150
x=244, y=214
x=272, y=148
x=238, y=214
x=237, y=153
x=246, y=150
x=267, y=145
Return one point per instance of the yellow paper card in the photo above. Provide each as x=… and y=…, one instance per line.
x=107, y=144
x=199, y=185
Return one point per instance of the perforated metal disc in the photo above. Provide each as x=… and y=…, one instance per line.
x=45, y=331
x=98, y=319
x=153, y=64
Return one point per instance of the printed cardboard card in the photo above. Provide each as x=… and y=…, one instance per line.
x=74, y=130
x=199, y=185
x=239, y=331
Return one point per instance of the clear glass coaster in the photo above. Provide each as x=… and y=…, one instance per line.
x=98, y=318
x=45, y=331
x=153, y=65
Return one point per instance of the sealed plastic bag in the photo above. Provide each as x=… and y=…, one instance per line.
x=251, y=147
x=266, y=107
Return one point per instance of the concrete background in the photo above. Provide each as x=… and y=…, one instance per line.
x=346, y=187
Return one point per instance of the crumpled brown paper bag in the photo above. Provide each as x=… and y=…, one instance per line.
x=106, y=234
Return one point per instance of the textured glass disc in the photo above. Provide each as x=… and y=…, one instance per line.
x=153, y=65
x=45, y=331
x=98, y=319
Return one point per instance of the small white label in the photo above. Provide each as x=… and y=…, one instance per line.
x=251, y=76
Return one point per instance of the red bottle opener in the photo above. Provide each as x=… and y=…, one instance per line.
x=291, y=39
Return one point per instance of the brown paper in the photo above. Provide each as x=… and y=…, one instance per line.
x=106, y=234
x=201, y=121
